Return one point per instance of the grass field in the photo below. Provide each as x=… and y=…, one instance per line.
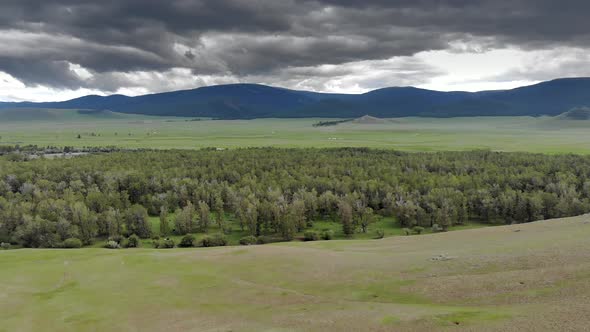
x=528, y=277
x=544, y=134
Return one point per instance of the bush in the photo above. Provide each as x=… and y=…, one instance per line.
x=164, y=244
x=133, y=241
x=187, y=241
x=264, y=239
x=407, y=231
x=379, y=233
x=436, y=228
x=311, y=236
x=328, y=234
x=168, y=244
x=117, y=238
x=418, y=229
x=5, y=245
x=112, y=245
x=72, y=243
x=216, y=240
x=248, y=240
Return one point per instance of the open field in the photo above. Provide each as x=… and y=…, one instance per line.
x=529, y=277
x=543, y=134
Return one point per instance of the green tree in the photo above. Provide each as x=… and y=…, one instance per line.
x=204, y=216
x=85, y=221
x=137, y=221
x=365, y=218
x=218, y=210
x=185, y=219
x=114, y=221
x=346, y=217
x=164, y=223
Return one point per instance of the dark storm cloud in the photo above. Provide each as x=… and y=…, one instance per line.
x=241, y=38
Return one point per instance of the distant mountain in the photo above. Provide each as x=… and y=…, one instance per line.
x=247, y=101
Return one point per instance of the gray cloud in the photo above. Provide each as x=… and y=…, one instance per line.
x=287, y=42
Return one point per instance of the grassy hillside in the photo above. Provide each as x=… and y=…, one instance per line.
x=529, y=277
x=544, y=134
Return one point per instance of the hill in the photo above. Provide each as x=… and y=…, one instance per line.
x=248, y=101
x=56, y=115
x=367, y=119
x=530, y=277
x=580, y=113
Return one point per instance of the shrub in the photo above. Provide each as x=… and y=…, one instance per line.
x=164, y=244
x=112, y=245
x=436, y=228
x=248, y=240
x=133, y=241
x=418, y=229
x=407, y=231
x=117, y=238
x=215, y=240
x=264, y=239
x=311, y=236
x=379, y=233
x=168, y=244
x=187, y=241
x=328, y=234
x=5, y=245
x=72, y=243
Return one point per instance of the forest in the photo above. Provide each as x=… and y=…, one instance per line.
x=275, y=193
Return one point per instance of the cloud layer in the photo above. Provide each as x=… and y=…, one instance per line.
x=152, y=45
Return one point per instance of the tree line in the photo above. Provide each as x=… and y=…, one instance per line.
x=279, y=192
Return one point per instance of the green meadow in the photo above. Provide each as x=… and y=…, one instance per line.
x=521, y=277
x=68, y=128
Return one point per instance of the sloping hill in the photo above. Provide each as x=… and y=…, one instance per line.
x=579, y=113
x=530, y=277
x=56, y=115
x=367, y=119
x=246, y=101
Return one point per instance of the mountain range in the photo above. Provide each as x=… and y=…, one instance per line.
x=248, y=101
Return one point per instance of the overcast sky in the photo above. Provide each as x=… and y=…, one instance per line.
x=60, y=49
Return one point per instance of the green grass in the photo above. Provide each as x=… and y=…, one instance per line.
x=367, y=285
x=87, y=289
x=408, y=134
x=470, y=317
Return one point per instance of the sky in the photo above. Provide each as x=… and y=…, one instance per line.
x=61, y=49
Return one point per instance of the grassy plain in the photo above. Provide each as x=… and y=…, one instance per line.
x=531, y=277
x=548, y=135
